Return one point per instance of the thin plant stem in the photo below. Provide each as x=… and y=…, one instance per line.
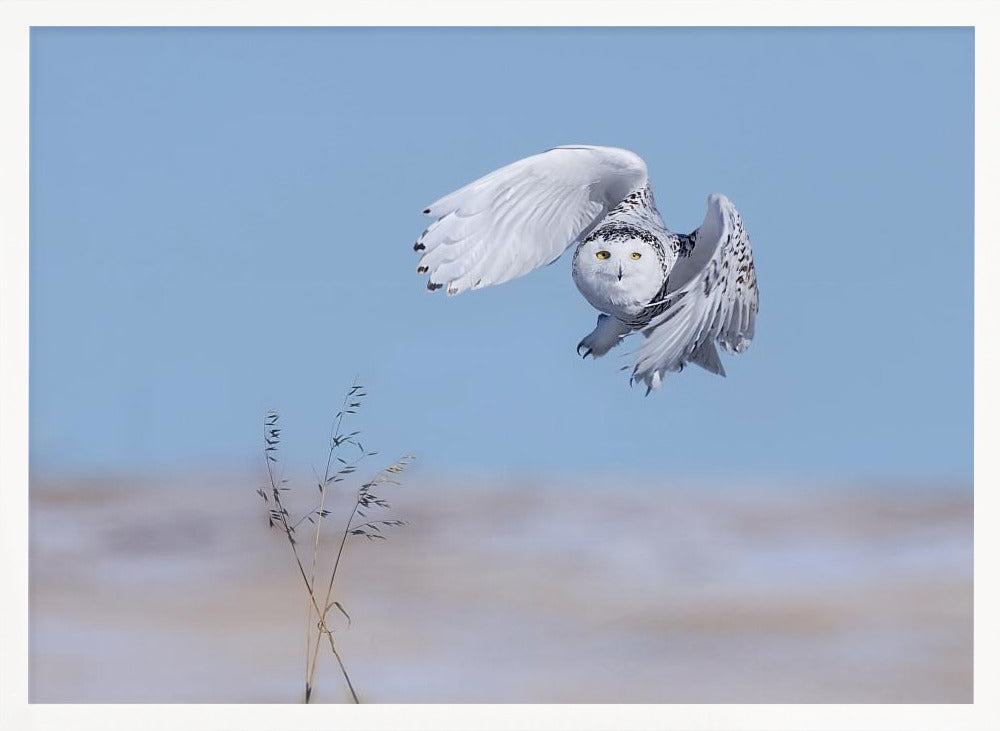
x=347, y=531
x=364, y=498
x=283, y=517
x=350, y=686
x=334, y=443
x=340, y=550
x=327, y=606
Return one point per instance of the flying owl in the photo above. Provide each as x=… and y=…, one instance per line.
x=684, y=292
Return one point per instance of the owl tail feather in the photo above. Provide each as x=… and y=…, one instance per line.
x=708, y=358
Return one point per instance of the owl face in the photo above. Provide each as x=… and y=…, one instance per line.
x=617, y=275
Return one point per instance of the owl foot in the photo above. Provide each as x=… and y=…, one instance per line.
x=608, y=333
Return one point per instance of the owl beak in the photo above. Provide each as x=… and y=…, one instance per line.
x=620, y=272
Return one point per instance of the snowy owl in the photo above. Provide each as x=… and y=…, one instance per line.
x=683, y=291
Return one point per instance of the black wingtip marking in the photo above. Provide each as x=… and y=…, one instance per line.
x=421, y=270
x=418, y=246
x=432, y=286
x=426, y=211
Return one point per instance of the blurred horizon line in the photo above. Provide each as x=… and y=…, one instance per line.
x=233, y=472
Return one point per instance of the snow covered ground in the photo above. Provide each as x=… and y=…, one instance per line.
x=176, y=591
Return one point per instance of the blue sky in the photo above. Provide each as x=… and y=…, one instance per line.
x=222, y=220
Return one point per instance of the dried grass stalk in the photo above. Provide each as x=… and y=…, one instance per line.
x=357, y=525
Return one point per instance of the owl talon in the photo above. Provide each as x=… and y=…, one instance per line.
x=608, y=333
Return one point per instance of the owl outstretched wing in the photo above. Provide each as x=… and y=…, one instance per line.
x=711, y=297
x=524, y=215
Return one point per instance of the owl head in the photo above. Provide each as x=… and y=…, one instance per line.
x=618, y=273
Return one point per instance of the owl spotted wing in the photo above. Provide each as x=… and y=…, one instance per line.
x=524, y=215
x=711, y=296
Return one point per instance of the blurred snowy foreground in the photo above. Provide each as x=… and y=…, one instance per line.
x=176, y=591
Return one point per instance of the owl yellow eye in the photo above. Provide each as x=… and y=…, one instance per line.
x=636, y=255
x=603, y=254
